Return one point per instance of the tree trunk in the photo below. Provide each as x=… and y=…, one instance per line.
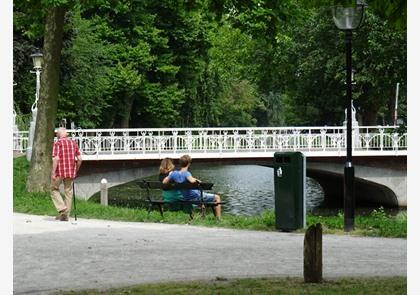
x=126, y=112
x=41, y=161
x=370, y=115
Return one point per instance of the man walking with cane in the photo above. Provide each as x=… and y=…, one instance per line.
x=66, y=164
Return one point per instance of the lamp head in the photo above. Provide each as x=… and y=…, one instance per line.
x=37, y=59
x=349, y=18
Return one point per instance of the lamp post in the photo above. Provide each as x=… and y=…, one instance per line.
x=15, y=128
x=348, y=19
x=37, y=61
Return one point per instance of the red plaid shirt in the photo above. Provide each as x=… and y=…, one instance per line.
x=67, y=150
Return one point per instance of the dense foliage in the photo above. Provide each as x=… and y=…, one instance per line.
x=212, y=63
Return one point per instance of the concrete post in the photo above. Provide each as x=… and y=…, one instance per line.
x=104, y=192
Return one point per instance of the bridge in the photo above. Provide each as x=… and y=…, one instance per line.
x=245, y=142
x=122, y=155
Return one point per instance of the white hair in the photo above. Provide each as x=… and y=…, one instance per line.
x=61, y=132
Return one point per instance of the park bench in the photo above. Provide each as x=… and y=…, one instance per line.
x=201, y=186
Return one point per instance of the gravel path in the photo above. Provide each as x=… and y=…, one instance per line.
x=51, y=255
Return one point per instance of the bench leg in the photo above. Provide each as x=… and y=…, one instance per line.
x=203, y=211
x=149, y=209
x=214, y=211
x=161, y=210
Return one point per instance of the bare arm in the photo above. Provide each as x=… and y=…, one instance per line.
x=54, y=167
x=166, y=179
x=78, y=162
x=193, y=179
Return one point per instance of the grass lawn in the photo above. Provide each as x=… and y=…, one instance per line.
x=377, y=224
x=395, y=285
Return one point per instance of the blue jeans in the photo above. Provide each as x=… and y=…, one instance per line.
x=207, y=197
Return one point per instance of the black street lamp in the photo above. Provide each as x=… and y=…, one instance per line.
x=349, y=19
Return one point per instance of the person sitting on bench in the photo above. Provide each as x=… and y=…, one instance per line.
x=183, y=175
x=166, y=168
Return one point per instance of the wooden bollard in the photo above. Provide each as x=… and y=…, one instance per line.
x=312, y=254
x=104, y=192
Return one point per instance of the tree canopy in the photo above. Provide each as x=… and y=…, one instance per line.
x=128, y=63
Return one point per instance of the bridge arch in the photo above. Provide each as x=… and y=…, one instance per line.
x=366, y=192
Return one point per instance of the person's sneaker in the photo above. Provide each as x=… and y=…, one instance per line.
x=63, y=211
x=64, y=217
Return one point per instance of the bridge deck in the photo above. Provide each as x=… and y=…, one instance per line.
x=245, y=142
x=230, y=154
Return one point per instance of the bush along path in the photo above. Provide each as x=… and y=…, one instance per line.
x=376, y=224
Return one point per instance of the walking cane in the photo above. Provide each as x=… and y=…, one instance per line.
x=74, y=203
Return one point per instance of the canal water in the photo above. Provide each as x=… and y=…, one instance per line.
x=249, y=189
x=246, y=189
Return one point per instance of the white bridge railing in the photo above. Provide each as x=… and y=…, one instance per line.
x=20, y=141
x=246, y=142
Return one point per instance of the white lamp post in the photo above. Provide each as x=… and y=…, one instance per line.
x=15, y=128
x=37, y=60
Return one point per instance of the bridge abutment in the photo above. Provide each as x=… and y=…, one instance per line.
x=115, y=172
x=377, y=182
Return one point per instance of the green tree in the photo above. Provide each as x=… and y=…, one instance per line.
x=143, y=87
x=213, y=63
x=85, y=97
x=40, y=168
x=315, y=83
x=394, y=11
x=236, y=99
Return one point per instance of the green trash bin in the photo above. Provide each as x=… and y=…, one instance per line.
x=289, y=190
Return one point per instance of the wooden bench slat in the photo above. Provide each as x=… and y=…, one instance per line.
x=172, y=186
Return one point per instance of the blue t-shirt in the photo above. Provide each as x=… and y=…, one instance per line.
x=181, y=177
